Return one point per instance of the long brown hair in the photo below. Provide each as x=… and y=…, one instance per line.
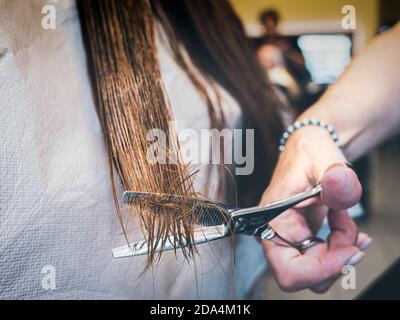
x=217, y=44
x=122, y=57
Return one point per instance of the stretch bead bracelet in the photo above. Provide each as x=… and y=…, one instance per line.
x=308, y=122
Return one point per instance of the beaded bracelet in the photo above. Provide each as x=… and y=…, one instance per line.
x=308, y=122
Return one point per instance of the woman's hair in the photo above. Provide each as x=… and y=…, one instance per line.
x=121, y=48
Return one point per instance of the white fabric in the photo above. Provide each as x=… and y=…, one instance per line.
x=56, y=206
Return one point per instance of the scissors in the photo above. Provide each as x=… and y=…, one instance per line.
x=217, y=221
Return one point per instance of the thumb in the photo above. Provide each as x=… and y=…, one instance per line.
x=341, y=188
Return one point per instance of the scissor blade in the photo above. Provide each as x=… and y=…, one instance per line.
x=201, y=235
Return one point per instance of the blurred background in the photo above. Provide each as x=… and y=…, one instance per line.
x=303, y=48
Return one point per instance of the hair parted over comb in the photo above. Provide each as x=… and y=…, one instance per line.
x=130, y=101
x=120, y=43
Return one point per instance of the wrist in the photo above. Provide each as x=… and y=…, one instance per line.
x=345, y=129
x=298, y=124
x=315, y=147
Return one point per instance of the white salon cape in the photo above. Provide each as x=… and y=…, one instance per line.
x=58, y=222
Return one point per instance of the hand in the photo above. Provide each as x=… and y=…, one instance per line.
x=310, y=156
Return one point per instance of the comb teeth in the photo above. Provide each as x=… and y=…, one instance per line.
x=207, y=213
x=135, y=197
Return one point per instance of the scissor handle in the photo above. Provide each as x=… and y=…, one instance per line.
x=254, y=220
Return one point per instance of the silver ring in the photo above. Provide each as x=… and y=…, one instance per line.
x=308, y=243
x=302, y=246
x=268, y=234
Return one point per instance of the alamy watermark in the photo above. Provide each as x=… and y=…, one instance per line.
x=349, y=21
x=49, y=19
x=49, y=279
x=204, y=146
x=348, y=280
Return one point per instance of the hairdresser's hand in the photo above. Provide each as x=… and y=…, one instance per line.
x=310, y=156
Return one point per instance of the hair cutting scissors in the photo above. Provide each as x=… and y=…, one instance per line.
x=218, y=221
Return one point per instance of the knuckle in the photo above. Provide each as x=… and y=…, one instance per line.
x=286, y=283
x=351, y=231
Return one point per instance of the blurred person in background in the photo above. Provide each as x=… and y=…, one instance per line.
x=284, y=63
x=269, y=18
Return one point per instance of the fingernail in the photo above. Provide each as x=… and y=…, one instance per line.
x=354, y=260
x=365, y=244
